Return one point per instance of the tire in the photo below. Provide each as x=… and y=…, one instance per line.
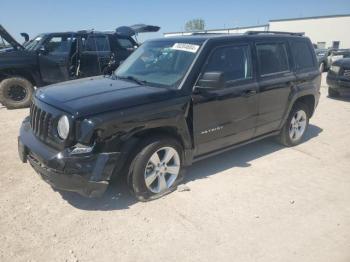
x=332, y=92
x=296, y=126
x=16, y=92
x=144, y=165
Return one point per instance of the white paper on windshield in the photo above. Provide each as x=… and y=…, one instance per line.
x=186, y=47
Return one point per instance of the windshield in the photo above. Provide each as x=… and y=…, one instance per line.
x=159, y=63
x=33, y=43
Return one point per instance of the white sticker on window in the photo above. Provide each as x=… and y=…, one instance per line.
x=186, y=47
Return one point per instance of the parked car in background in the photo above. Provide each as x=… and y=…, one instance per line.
x=336, y=54
x=322, y=58
x=55, y=57
x=338, y=78
x=174, y=101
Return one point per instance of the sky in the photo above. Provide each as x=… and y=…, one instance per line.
x=34, y=16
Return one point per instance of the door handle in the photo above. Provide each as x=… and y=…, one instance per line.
x=248, y=93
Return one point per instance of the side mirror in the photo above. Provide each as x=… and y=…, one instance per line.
x=211, y=80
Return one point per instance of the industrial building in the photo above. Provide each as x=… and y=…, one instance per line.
x=324, y=31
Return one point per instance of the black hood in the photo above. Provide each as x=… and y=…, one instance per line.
x=95, y=95
x=342, y=62
x=4, y=34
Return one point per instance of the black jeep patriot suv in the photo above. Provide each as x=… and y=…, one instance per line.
x=172, y=102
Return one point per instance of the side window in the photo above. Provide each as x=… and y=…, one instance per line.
x=59, y=45
x=233, y=61
x=272, y=58
x=97, y=43
x=125, y=43
x=302, y=54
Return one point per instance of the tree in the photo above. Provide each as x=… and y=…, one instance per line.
x=195, y=25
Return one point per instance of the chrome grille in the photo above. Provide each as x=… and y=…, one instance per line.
x=41, y=122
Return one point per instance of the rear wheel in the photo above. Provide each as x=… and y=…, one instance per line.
x=296, y=125
x=156, y=168
x=332, y=92
x=16, y=92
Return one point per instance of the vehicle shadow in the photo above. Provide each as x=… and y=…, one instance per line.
x=344, y=98
x=118, y=196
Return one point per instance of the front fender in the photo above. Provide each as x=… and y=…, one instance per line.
x=121, y=126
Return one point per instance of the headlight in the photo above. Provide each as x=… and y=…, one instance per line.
x=335, y=69
x=63, y=127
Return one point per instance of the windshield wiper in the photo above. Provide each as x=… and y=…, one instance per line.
x=140, y=82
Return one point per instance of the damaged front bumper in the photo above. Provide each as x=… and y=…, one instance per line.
x=86, y=174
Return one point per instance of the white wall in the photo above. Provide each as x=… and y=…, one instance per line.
x=327, y=29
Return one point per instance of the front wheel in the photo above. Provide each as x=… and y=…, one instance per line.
x=296, y=125
x=156, y=169
x=16, y=92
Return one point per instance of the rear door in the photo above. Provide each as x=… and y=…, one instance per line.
x=95, y=56
x=227, y=116
x=54, y=58
x=276, y=80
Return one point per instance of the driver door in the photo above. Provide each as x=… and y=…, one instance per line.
x=226, y=116
x=54, y=58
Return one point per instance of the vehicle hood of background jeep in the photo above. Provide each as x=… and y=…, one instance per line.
x=342, y=62
x=9, y=39
x=89, y=96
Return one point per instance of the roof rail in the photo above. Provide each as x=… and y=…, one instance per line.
x=273, y=32
x=207, y=33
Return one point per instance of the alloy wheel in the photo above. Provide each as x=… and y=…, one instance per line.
x=297, y=125
x=162, y=169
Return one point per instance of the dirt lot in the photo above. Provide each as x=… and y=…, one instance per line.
x=262, y=202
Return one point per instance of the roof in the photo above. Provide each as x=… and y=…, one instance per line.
x=309, y=17
x=79, y=32
x=202, y=38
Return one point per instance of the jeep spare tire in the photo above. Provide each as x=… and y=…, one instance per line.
x=16, y=92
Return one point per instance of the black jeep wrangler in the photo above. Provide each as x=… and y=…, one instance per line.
x=56, y=57
x=172, y=102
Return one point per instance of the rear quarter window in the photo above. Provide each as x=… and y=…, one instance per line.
x=97, y=43
x=303, y=55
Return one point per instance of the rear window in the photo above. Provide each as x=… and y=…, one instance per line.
x=272, y=58
x=302, y=54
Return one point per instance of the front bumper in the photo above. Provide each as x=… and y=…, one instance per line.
x=86, y=174
x=340, y=84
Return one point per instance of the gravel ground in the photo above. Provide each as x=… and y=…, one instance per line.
x=262, y=202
